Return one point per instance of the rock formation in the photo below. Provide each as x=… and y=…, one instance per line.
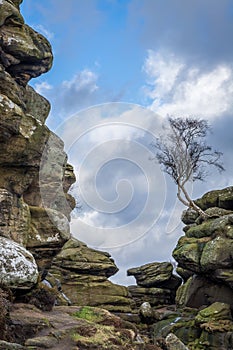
x=40, y=260
x=156, y=284
x=204, y=253
x=203, y=319
x=52, y=286
x=35, y=176
x=84, y=272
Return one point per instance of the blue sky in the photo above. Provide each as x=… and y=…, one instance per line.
x=163, y=56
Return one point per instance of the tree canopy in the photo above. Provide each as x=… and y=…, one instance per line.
x=183, y=154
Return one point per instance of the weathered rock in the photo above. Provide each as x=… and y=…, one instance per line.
x=199, y=291
x=10, y=9
x=217, y=253
x=36, y=105
x=24, y=53
x=69, y=177
x=17, y=266
x=155, y=296
x=206, y=333
x=189, y=216
x=9, y=87
x=204, y=257
x=217, y=212
x=211, y=227
x=215, y=312
x=207, y=248
x=47, y=227
x=216, y=339
x=10, y=346
x=218, y=198
x=49, y=230
x=174, y=343
x=224, y=275
x=155, y=275
x=35, y=209
x=14, y=217
x=184, y=273
x=23, y=139
x=172, y=324
x=188, y=252
x=83, y=274
x=146, y=310
x=4, y=314
x=70, y=328
x=43, y=296
x=77, y=257
x=156, y=285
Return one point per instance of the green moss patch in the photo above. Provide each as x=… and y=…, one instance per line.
x=89, y=314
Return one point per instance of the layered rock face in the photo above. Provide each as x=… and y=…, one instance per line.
x=205, y=253
x=25, y=54
x=84, y=273
x=35, y=179
x=203, y=319
x=156, y=284
x=41, y=263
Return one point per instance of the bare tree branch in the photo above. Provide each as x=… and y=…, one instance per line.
x=183, y=154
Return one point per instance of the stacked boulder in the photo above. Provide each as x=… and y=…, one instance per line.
x=205, y=253
x=35, y=206
x=203, y=319
x=83, y=273
x=156, y=284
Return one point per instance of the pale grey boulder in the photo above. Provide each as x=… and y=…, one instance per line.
x=18, y=269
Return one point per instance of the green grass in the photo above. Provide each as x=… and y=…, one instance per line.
x=89, y=314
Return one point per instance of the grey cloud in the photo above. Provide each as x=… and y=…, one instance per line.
x=157, y=244
x=195, y=29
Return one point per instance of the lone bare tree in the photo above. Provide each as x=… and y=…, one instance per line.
x=184, y=155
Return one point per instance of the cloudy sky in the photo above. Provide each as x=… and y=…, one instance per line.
x=120, y=67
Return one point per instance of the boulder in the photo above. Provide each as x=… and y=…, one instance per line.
x=199, y=291
x=154, y=296
x=221, y=225
x=174, y=343
x=18, y=269
x=146, y=310
x=36, y=105
x=188, y=253
x=11, y=346
x=207, y=248
x=219, y=198
x=14, y=217
x=83, y=274
x=217, y=254
x=155, y=275
x=189, y=216
x=184, y=273
x=77, y=257
x=215, y=312
x=24, y=53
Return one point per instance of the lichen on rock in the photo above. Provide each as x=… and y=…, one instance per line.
x=17, y=265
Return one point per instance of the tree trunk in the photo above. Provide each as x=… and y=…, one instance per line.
x=189, y=202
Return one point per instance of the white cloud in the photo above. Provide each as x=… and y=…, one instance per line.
x=177, y=89
x=43, y=87
x=162, y=71
x=121, y=189
x=84, y=80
